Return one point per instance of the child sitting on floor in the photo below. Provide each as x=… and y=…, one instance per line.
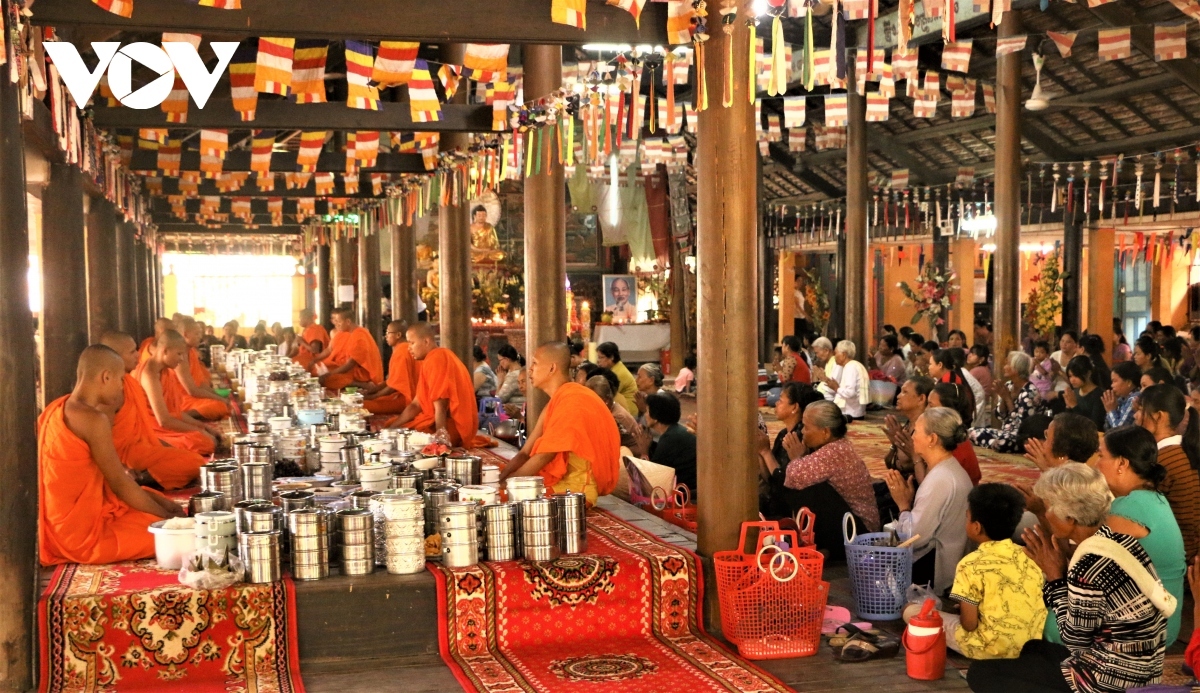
x=998, y=588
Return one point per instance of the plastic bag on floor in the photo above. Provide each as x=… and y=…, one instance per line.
x=209, y=570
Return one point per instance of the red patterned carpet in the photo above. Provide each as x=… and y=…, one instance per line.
x=623, y=617
x=133, y=627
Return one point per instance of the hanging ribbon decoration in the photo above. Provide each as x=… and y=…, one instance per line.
x=698, y=40
x=810, y=65
x=778, y=84
x=752, y=67
x=728, y=17
x=949, y=21
x=1157, y=179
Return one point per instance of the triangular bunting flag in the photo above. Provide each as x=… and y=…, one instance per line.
x=1064, y=41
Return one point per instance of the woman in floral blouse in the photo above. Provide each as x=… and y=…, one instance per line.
x=1018, y=400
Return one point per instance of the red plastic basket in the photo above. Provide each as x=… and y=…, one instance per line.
x=682, y=511
x=772, y=601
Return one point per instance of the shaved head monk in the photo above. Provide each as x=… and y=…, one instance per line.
x=169, y=351
x=445, y=397
x=161, y=325
x=353, y=358
x=575, y=445
x=397, y=392
x=89, y=509
x=138, y=445
x=313, y=340
x=190, y=382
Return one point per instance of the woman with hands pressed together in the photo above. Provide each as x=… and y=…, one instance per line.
x=773, y=457
x=1018, y=400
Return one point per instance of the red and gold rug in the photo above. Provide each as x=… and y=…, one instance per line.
x=623, y=617
x=133, y=627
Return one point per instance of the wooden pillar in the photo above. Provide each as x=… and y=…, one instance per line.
x=1072, y=267
x=64, y=281
x=454, y=245
x=325, y=287
x=787, y=287
x=545, y=227
x=127, y=295
x=854, y=262
x=1006, y=262
x=726, y=159
x=18, y=454
x=156, y=272
x=141, y=287
x=962, y=257
x=103, y=278
x=344, y=260
x=370, y=295
x=679, y=309
x=404, y=274
x=1101, y=260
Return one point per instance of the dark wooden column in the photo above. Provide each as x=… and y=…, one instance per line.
x=103, y=278
x=853, y=264
x=64, y=281
x=545, y=226
x=325, y=287
x=726, y=158
x=454, y=245
x=145, y=290
x=370, y=295
x=18, y=454
x=156, y=273
x=941, y=260
x=1072, y=267
x=127, y=295
x=1006, y=263
x=343, y=260
x=404, y=274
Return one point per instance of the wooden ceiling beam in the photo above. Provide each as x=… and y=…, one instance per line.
x=330, y=162
x=280, y=114
x=1186, y=71
x=1154, y=140
x=462, y=21
x=808, y=177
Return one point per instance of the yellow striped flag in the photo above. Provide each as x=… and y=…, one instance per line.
x=394, y=62
x=169, y=154
x=487, y=61
x=1113, y=44
x=211, y=165
x=310, y=149
x=274, y=73
x=261, y=147
x=222, y=4
x=122, y=8
x=242, y=69
x=633, y=7
x=366, y=147
x=265, y=181
x=308, y=71
x=835, y=110
x=448, y=75
x=503, y=96
x=569, y=12
x=158, y=135
x=176, y=103
x=423, y=100
x=240, y=207
x=275, y=209
x=324, y=184
x=359, y=64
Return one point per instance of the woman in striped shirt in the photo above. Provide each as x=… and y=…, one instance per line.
x=1163, y=408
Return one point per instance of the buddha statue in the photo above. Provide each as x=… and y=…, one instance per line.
x=485, y=244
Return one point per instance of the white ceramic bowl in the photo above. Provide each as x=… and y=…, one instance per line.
x=374, y=472
x=427, y=463
x=171, y=546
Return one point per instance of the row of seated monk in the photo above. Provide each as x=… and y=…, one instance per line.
x=142, y=420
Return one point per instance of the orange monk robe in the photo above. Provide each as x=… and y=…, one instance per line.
x=80, y=519
x=403, y=372
x=312, y=333
x=196, y=441
x=443, y=376
x=141, y=450
x=210, y=409
x=576, y=424
x=358, y=344
x=144, y=349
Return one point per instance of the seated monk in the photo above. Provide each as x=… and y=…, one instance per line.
x=138, y=446
x=353, y=358
x=168, y=352
x=575, y=445
x=445, y=397
x=193, y=380
x=89, y=509
x=311, y=341
x=396, y=393
x=161, y=325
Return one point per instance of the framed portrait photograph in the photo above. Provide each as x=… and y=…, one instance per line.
x=620, y=297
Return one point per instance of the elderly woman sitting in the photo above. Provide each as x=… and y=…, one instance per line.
x=847, y=383
x=1018, y=400
x=826, y=475
x=1110, y=606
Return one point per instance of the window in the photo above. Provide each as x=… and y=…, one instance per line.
x=220, y=288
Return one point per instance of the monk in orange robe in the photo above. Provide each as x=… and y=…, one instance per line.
x=403, y=371
x=353, y=357
x=313, y=340
x=139, y=448
x=89, y=509
x=445, y=396
x=179, y=429
x=190, y=382
x=161, y=325
x=575, y=445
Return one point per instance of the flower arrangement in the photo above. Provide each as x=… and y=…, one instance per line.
x=932, y=294
x=816, y=301
x=1045, y=300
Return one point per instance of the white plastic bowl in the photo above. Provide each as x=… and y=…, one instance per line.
x=427, y=463
x=171, y=546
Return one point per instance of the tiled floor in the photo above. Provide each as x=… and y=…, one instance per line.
x=643, y=520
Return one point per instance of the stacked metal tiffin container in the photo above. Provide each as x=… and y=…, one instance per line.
x=309, y=530
x=357, y=535
x=404, y=532
x=539, y=525
x=572, y=525
x=459, y=533
x=465, y=469
x=522, y=488
x=437, y=493
x=221, y=476
x=502, y=531
x=261, y=553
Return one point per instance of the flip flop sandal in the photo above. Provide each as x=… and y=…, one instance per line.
x=858, y=649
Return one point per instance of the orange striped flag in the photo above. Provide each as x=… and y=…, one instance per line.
x=122, y=8
x=1012, y=44
x=569, y=12
x=359, y=64
x=310, y=149
x=324, y=184
x=1113, y=44
x=366, y=147
x=275, y=209
x=222, y=4
x=262, y=145
x=350, y=183
x=242, y=69
x=487, y=61
x=423, y=100
x=240, y=208
x=176, y=103
x=1170, y=41
x=158, y=135
x=376, y=183
x=169, y=154
x=308, y=71
x=835, y=110
x=503, y=96
x=633, y=7
x=171, y=37
x=878, y=108
x=211, y=165
x=265, y=182
x=214, y=142
x=679, y=21
x=274, y=73
x=394, y=62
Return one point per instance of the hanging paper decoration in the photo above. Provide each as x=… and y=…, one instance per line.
x=169, y=157
x=989, y=97
x=965, y=176
x=1170, y=42
x=189, y=183
x=794, y=111
x=265, y=182
x=158, y=135
x=904, y=63
x=394, y=63
x=214, y=142
x=222, y=4
x=955, y=83
x=999, y=7
x=324, y=184
x=1191, y=8
x=823, y=68
x=887, y=82
x=262, y=144
x=359, y=63
x=350, y=183
x=633, y=7
x=569, y=12
x=797, y=140
x=923, y=107
x=900, y=179
x=377, y=184
x=176, y=103
x=1113, y=44
x=486, y=61
x=366, y=147
x=423, y=100
x=242, y=69
x=877, y=107
x=504, y=95
x=835, y=110
x=680, y=14
x=962, y=103
x=1064, y=41
x=240, y=208
x=274, y=73
x=932, y=90
x=956, y=56
x=121, y=8
x=231, y=181
x=1012, y=44
x=310, y=149
x=308, y=71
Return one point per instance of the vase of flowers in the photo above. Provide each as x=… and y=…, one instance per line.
x=931, y=295
x=816, y=301
x=1045, y=300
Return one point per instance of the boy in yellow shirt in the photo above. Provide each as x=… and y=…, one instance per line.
x=998, y=588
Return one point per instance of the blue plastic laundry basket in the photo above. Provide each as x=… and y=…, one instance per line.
x=879, y=574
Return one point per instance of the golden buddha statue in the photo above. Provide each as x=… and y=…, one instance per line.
x=485, y=244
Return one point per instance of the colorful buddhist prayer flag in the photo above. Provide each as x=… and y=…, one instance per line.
x=308, y=71
x=932, y=90
x=158, y=135
x=794, y=111
x=240, y=208
x=956, y=56
x=366, y=147
x=172, y=37
x=169, y=154
x=835, y=110
x=305, y=207
x=222, y=4
x=859, y=9
x=999, y=7
x=324, y=182
x=823, y=69
x=122, y=8
x=962, y=103
x=486, y=61
x=350, y=183
x=242, y=70
x=1113, y=44
x=376, y=183
x=924, y=108
x=310, y=149
x=1170, y=41
x=448, y=75
x=265, y=181
x=634, y=7
x=394, y=62
x=900, y=179
x=1191, y=8
x=214, y=142
x=423, y=100
x=569, y=12
x=797, y=140
x=989, y=97
x=877, y=107
x=965, y=175
x=176, y=103
x=262, y=144
x=679, y=21
x=1012, y=44
x=904, y=63
x=274, y=73
x=887, y=82
x=359, y=64
x=1063, y=41
x=955, y=83
x=211, y=164
x=504, y=95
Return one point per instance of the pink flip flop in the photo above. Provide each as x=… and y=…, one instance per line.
x=838, y=616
